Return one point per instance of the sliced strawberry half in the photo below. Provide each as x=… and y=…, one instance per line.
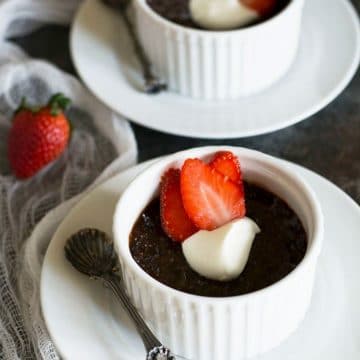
x=175, y=221
x=263, y=7
x=227, y=164
x=210, y=199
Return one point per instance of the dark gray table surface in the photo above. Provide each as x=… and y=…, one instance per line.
x=328, y=142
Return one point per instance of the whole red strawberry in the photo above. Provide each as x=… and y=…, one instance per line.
x=38, y=136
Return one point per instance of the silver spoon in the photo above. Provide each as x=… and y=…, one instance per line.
x=91, y=252
x=153, y=85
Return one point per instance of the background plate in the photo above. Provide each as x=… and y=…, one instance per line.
x=327, y=60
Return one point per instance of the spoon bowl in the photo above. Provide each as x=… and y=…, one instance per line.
x=91, y=252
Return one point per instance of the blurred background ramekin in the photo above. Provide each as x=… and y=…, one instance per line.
x=220, y=65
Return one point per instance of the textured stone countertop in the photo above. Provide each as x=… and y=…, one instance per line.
x=328, y=142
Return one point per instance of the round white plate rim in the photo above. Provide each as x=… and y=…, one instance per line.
x=204, y=133
x=132, y=172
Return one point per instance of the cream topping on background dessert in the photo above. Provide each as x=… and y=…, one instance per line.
x=221, y=14
x=221, y=254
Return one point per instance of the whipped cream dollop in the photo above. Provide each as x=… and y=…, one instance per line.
x=221, y=14
x=221, y=254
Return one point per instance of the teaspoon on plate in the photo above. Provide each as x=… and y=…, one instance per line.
x=152, y=85
x=91, y=252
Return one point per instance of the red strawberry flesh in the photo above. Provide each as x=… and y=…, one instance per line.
x=210, y=199
x=263, y=7
x=175, y=222
x=226, y=163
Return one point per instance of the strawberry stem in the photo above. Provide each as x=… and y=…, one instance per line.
x=58, y=102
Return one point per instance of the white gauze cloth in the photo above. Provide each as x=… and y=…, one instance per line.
x=101, y=143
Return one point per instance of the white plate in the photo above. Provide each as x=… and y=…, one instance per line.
x=328, y=58
x=86, y=323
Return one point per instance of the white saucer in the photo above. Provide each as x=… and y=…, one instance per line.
x=328, y=58
x=86, y=323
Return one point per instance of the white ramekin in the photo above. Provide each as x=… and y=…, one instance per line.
x=220, y=65
x=233, y=328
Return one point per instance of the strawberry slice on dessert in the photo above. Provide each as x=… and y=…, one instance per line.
x=226, y=163
x=210, y=199
x=263, y=7
x=175, y=221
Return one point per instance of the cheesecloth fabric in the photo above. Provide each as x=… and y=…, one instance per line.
x=101, y=143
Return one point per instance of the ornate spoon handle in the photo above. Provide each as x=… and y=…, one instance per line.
x=155, y=350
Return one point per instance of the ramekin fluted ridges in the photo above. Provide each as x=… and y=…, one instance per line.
x=220, y=65
x=234, y=328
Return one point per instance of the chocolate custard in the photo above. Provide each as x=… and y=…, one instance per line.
x=178, y=11
x=276, y=251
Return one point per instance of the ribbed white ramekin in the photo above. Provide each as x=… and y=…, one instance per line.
x=234, y=328
x=220, y=65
